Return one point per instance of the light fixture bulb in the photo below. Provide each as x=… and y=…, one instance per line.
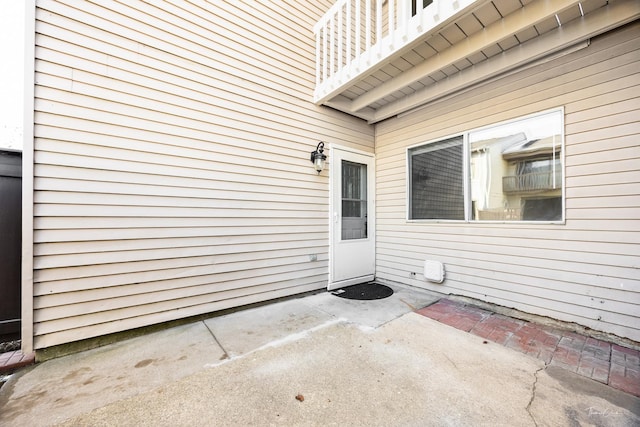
x=318, y=158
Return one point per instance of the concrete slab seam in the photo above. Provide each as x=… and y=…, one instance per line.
x=363, y=328
x=224, y=350
x=281, y=341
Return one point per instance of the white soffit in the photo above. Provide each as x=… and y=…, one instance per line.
x=404, y=91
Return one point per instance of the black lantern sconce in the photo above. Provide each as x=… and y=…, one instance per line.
x=318, y=158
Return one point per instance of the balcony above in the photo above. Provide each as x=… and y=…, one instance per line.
x=535, y=182
x=379, y=58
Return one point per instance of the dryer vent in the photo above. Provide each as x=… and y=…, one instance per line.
x=434, y=271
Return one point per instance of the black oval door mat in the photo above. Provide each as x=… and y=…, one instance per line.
x=364, y=291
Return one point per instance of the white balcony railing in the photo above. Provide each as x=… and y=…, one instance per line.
x=528, y=182
x=356, y=35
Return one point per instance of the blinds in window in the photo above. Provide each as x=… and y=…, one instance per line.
x=437, y=180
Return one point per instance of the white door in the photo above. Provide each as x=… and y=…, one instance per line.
x=352, y=218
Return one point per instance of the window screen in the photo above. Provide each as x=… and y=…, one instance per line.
x=437, y=180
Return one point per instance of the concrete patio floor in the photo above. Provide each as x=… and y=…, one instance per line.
x=314, y=360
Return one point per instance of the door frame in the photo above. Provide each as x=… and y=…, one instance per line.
x=335, y=171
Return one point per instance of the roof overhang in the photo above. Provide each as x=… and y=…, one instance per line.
x=528, y=35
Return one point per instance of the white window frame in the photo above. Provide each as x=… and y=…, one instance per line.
x=467, y=178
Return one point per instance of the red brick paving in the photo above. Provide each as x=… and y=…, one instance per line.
x=608, y=363
x=625, y=369
x=13, y=360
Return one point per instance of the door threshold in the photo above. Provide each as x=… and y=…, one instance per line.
x=348, y=282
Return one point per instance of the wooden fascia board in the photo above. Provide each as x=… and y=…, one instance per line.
x=598, y=22
x=343, y=105
x=518, y=21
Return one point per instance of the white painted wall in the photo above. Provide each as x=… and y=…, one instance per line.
x=584, y=271
x=172, y=171
x=172, y=174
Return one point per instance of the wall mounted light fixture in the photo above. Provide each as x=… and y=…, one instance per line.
x=318, y=158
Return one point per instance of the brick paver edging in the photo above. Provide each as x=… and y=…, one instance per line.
x=608, y=363
x=13, y=360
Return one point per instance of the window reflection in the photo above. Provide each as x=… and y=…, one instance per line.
x=516, y=170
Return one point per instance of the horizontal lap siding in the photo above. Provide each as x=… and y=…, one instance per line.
x=172, y=172
x=585, y=271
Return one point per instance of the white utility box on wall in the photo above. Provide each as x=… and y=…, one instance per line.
x=434, y=271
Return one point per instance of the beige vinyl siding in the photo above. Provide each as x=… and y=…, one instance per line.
x=583, y=271
x=172, y=174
